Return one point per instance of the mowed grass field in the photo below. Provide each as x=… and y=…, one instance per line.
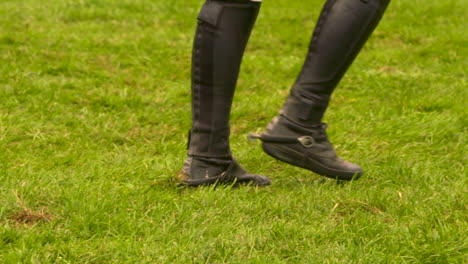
x=95, y=108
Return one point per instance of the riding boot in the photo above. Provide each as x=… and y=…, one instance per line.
x=222, y=33
x=297, y=136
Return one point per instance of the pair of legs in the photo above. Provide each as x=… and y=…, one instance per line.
x=297, y=135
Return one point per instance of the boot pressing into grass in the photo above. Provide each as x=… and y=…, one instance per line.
x=223, y=31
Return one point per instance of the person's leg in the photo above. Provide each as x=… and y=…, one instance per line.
x=297, y=136
x=222, y=33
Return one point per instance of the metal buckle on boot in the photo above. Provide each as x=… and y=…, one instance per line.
x=306, y=141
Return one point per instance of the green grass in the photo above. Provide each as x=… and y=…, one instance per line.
x=95, y=106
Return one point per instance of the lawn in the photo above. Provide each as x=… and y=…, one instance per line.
x=95, y=108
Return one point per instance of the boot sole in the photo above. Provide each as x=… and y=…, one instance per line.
x=248, y=179
x=297, y=159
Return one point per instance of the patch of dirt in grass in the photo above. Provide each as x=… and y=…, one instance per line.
x=28, y=217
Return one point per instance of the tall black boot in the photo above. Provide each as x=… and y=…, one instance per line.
x=223, y=31
x=297, y=136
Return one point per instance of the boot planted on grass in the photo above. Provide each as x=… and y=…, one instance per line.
x=223, y=31
x=199, y=171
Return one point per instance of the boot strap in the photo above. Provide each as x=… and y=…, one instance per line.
x=306, y=141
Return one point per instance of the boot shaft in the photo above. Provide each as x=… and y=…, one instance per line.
x=222, y=33
x=341, y=31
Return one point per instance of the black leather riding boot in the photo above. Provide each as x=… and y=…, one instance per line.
x=341, y=31
x=223, y=31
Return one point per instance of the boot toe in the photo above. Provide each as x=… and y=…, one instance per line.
x=334, y=168
x=351, y=171
x=255, y=179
